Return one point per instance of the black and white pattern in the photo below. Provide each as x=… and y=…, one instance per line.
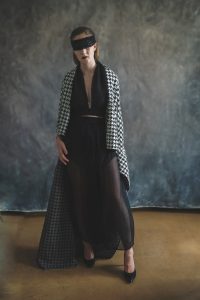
x=57, y=242
x=114, y=120
x=59, y=246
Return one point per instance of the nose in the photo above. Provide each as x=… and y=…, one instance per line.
x=83, y=50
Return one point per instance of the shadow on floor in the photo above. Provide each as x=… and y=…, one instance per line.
x=25, y=255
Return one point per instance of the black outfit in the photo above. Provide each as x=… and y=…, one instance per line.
x=100, y=208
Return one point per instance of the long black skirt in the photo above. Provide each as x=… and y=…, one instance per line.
x=88, y=200
x=100, y=212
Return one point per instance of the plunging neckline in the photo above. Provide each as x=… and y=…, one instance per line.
x=91, y=90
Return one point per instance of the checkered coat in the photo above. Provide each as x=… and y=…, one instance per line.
x=59, y=245
x=114, y=120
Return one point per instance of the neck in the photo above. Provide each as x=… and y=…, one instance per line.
x=88, y=68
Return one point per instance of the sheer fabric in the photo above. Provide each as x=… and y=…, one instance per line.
x=88, y=199
x=99, y=209
x=100, y=206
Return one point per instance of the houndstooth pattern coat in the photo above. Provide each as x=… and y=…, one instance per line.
x=59, y=246
x=114, y=120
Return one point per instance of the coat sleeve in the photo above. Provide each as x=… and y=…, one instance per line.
x=124, y=169
x=120, y=123
x=62, y=109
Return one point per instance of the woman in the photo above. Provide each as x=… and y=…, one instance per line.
x=92, y=171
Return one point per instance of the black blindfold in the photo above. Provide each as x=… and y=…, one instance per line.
x=83, y=43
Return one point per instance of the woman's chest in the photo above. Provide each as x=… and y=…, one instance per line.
x=89, y=94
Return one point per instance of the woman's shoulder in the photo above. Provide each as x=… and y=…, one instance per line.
x=112, y=75
x=68, y=79
x=70, y=74
x=109, y=69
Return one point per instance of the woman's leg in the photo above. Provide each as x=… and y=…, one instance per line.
x=79, y=186
x=119, y=207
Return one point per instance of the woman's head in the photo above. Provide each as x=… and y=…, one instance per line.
x=84, y=44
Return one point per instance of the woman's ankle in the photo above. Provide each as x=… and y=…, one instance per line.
x=129, y=263
x=129, y=251
x=88, y=251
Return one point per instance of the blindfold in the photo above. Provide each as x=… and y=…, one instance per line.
x=83, y=43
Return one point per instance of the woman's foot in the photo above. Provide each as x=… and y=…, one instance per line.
x=88, y=255
x=88, y=251
x=129, y=265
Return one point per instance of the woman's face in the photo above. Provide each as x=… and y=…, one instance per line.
x=85, y=55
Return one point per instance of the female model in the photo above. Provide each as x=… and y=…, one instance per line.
x=88, y=205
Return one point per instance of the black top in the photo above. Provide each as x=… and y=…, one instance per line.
x=79, y=101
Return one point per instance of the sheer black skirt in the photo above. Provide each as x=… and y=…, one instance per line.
x=100, y=210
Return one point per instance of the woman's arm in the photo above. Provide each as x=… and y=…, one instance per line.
x=62, y=150
x=61, y=147
x=61, y=110
x=120, y=123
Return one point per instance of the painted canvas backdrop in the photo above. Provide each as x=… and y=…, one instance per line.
x=154, y=48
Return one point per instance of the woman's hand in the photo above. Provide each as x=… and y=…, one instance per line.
x=62, y=150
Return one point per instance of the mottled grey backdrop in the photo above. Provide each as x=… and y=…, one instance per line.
x=154, y=46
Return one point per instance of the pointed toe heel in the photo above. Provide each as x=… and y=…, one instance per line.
x=129, y=277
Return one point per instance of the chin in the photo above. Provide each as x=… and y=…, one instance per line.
x=85, y=61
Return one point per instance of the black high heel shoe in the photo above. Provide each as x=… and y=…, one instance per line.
x=129, y=277
x=89, y=262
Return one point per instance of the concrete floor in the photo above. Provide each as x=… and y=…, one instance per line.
x=167, y=256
